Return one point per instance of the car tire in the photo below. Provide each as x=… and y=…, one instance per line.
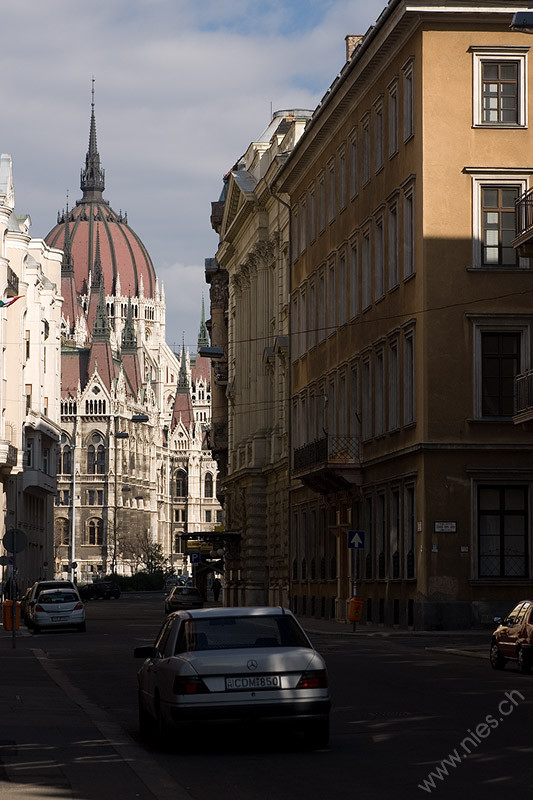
x=316, y=734
x=146, y=724
x=497, y=661
x=523, y=663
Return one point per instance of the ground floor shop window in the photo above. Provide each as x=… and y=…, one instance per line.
x=502, y=531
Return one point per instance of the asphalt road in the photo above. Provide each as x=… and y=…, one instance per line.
x=407, y=722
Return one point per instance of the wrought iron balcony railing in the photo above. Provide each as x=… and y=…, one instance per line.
x=524, y=397
x=327, y=450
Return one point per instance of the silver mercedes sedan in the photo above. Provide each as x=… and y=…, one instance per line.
x=233, y=664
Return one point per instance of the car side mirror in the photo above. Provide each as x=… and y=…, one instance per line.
x=147, y=651
x=498, y=620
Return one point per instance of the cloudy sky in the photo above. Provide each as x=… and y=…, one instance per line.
x=181, y=89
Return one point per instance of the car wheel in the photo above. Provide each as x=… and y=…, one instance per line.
x=497, y=661
x=316, y=734
x=82, y=627
x=523, y=662
x=146, y=725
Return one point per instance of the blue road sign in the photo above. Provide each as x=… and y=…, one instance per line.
x=195, y=558
x=356, y=539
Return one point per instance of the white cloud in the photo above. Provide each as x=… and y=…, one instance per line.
x=182, y=87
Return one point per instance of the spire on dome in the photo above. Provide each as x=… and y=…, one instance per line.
x=183, y=378
x=97, y=271
x=203, y=336
x=92, y=177
x=129, y=340
x=101, y=324
x=67, y=266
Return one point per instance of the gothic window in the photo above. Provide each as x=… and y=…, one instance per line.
x=96, y=456
x=62, y=531
x=95, y=532
x=181, y=483
x=208, y=485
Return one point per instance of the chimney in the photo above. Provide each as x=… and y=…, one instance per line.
x=352, y=41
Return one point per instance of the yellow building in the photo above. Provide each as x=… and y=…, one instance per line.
x=411, y=314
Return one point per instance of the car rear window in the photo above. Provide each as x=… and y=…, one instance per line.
x=232, y=633
x=187, y=590
x=57, y=597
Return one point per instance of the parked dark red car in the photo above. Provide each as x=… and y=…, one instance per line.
x=513, y=638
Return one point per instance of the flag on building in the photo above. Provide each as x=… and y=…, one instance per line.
x=6, y=303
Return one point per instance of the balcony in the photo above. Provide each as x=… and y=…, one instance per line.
x=38, y=481
x=329, y=464
x=523, y=414
x=8, y=456
x=524, y=225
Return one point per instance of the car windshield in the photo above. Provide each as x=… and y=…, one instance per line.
x=57, y=597
x=186, y=590
x=232, y=632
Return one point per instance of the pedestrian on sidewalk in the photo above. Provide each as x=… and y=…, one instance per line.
x=216, y=589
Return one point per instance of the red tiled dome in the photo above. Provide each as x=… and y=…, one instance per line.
x=122, y=254
x=121, y=251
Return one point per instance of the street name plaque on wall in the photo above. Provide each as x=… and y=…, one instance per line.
x=445, y=527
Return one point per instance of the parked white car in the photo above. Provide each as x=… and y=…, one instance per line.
x=57, y=608
x=233, y=664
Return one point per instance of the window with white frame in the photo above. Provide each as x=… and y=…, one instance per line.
x=303, y=224
x=354, y=279
x=393, y=117
x=311, y=325
x=311, y=212
x=332, y=298
x=378, y=135
x=342, y=287
x=321, y=202
x=394, y=396
x=295, y=232
x=332, y=189
x=365, y=128
x=409, y=377
x=321, y=306
x=366, y=398
x=408, y=99
x=379, y=393
x=494, y=218
x=500, y=87
x=354, y=164
x=366, y=269
x=392, y=244
x=408, y=231
x=501, y=351
x=342, y=178
x=303, y=322
x=379, y=266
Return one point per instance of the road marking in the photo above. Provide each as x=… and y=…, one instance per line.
x=145, y=767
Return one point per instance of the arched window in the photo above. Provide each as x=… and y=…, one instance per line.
x=67, y=460
x=181, y=483
x=62, y=531
x=208, y=485
x=95, y=532
x=96, y=455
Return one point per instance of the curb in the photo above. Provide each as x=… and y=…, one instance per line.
x=456, y=652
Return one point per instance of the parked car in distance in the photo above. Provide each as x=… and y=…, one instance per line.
x=233, y=664
x=39, y=586
x=57, y=608
x=100, y=590
x=513, y=638
x=175, y=580
x=183, y=597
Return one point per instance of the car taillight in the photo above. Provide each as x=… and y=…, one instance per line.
x=188, y=684
x=78, y=606
x=313, y=680
x=39, y=608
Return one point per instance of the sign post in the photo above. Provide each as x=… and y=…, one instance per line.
x=356, y=542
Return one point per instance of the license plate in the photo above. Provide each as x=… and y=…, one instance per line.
x=58, y=619
x=253, y=682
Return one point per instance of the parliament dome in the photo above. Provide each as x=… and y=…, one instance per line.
x=95, y=229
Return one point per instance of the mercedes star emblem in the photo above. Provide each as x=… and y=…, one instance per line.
x=252, y=664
